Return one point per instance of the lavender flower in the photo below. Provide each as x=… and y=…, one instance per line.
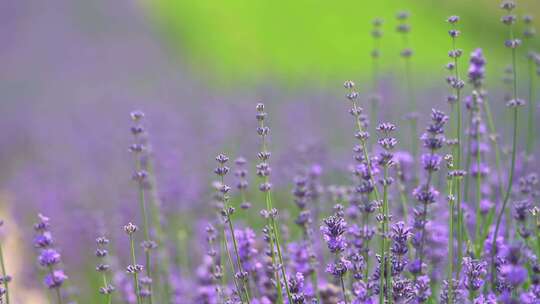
x=425, y=194
x=333, y=231
x=103, y=268
x=474, y=273
x=49, y=258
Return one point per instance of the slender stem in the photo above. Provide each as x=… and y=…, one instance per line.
x=163, y=266
x=478, y=193
x=402, y=193
x=366, y=249
x=512, y=167
x=450, y=188
x=275, y=231
x=388, y=271
x=235, y=245
x=239, y=262
x=343, y=290
x=420, y=251
x=359, y=128
x=146, y=229
x=375, y=82
x=468, y=158
x=457, y=158
x=4, y=274
x=106, y=284
x=411, y=97
x=495, y=143
x=135, y=275
x=532, y=107
x=231, y=263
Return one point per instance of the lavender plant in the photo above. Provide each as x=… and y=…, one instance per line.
x=263, y=171
x=48, y=257
x=515, y=103
x=134, y=269
x=374, y=244
x=456, y=84
x=103, y=268
x=376, y=34
x=141, y=177
x=406, y=53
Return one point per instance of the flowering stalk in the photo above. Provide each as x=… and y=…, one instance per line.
x=451, y=199
x=376, y=33
x=404, y=29
x=227, y=213
x=362, y=136
x=133, y=268
x=263, y=170
x=514, y=103
x=529, y=33
x=386, y=160
x=242, y=182
x=479, y=170
x=163, y=265
x=102, y=252
x=433, y=139
x=457, y=84
x=333, y=231
x=304, y=221
x=141, y=177
x=49, y=258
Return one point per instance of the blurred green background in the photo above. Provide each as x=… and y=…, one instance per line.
x=298, y=42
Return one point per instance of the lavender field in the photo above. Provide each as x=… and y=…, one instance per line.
x=170, y=152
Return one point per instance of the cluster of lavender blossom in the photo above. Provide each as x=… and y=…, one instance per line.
x=386, y=236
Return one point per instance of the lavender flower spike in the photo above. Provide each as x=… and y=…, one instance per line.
x=49, y=258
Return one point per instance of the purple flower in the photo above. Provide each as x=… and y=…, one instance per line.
x=514, y=275
x=55, y=279
x=431, y=162
x=49, y=257
x=339, y=267
x=475, y=272
x=43, y=240
x=333, y=229
x=477, y=69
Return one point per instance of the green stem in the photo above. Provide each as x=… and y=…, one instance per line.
x=4, y=274
x=164, y=264
x=366, y=249
x=275, y=231
x=343, y=290
x=135, y=275
x=468, y=160
x=231, y=263
x=146, y=229
x=532, y=107
x=106, y=284
x=450, y=187
x=512, y=167
x=457, y=158
x=495, y=143
x=412, y=98
x=375, y=82
x=235, y=245
x=385, y=232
